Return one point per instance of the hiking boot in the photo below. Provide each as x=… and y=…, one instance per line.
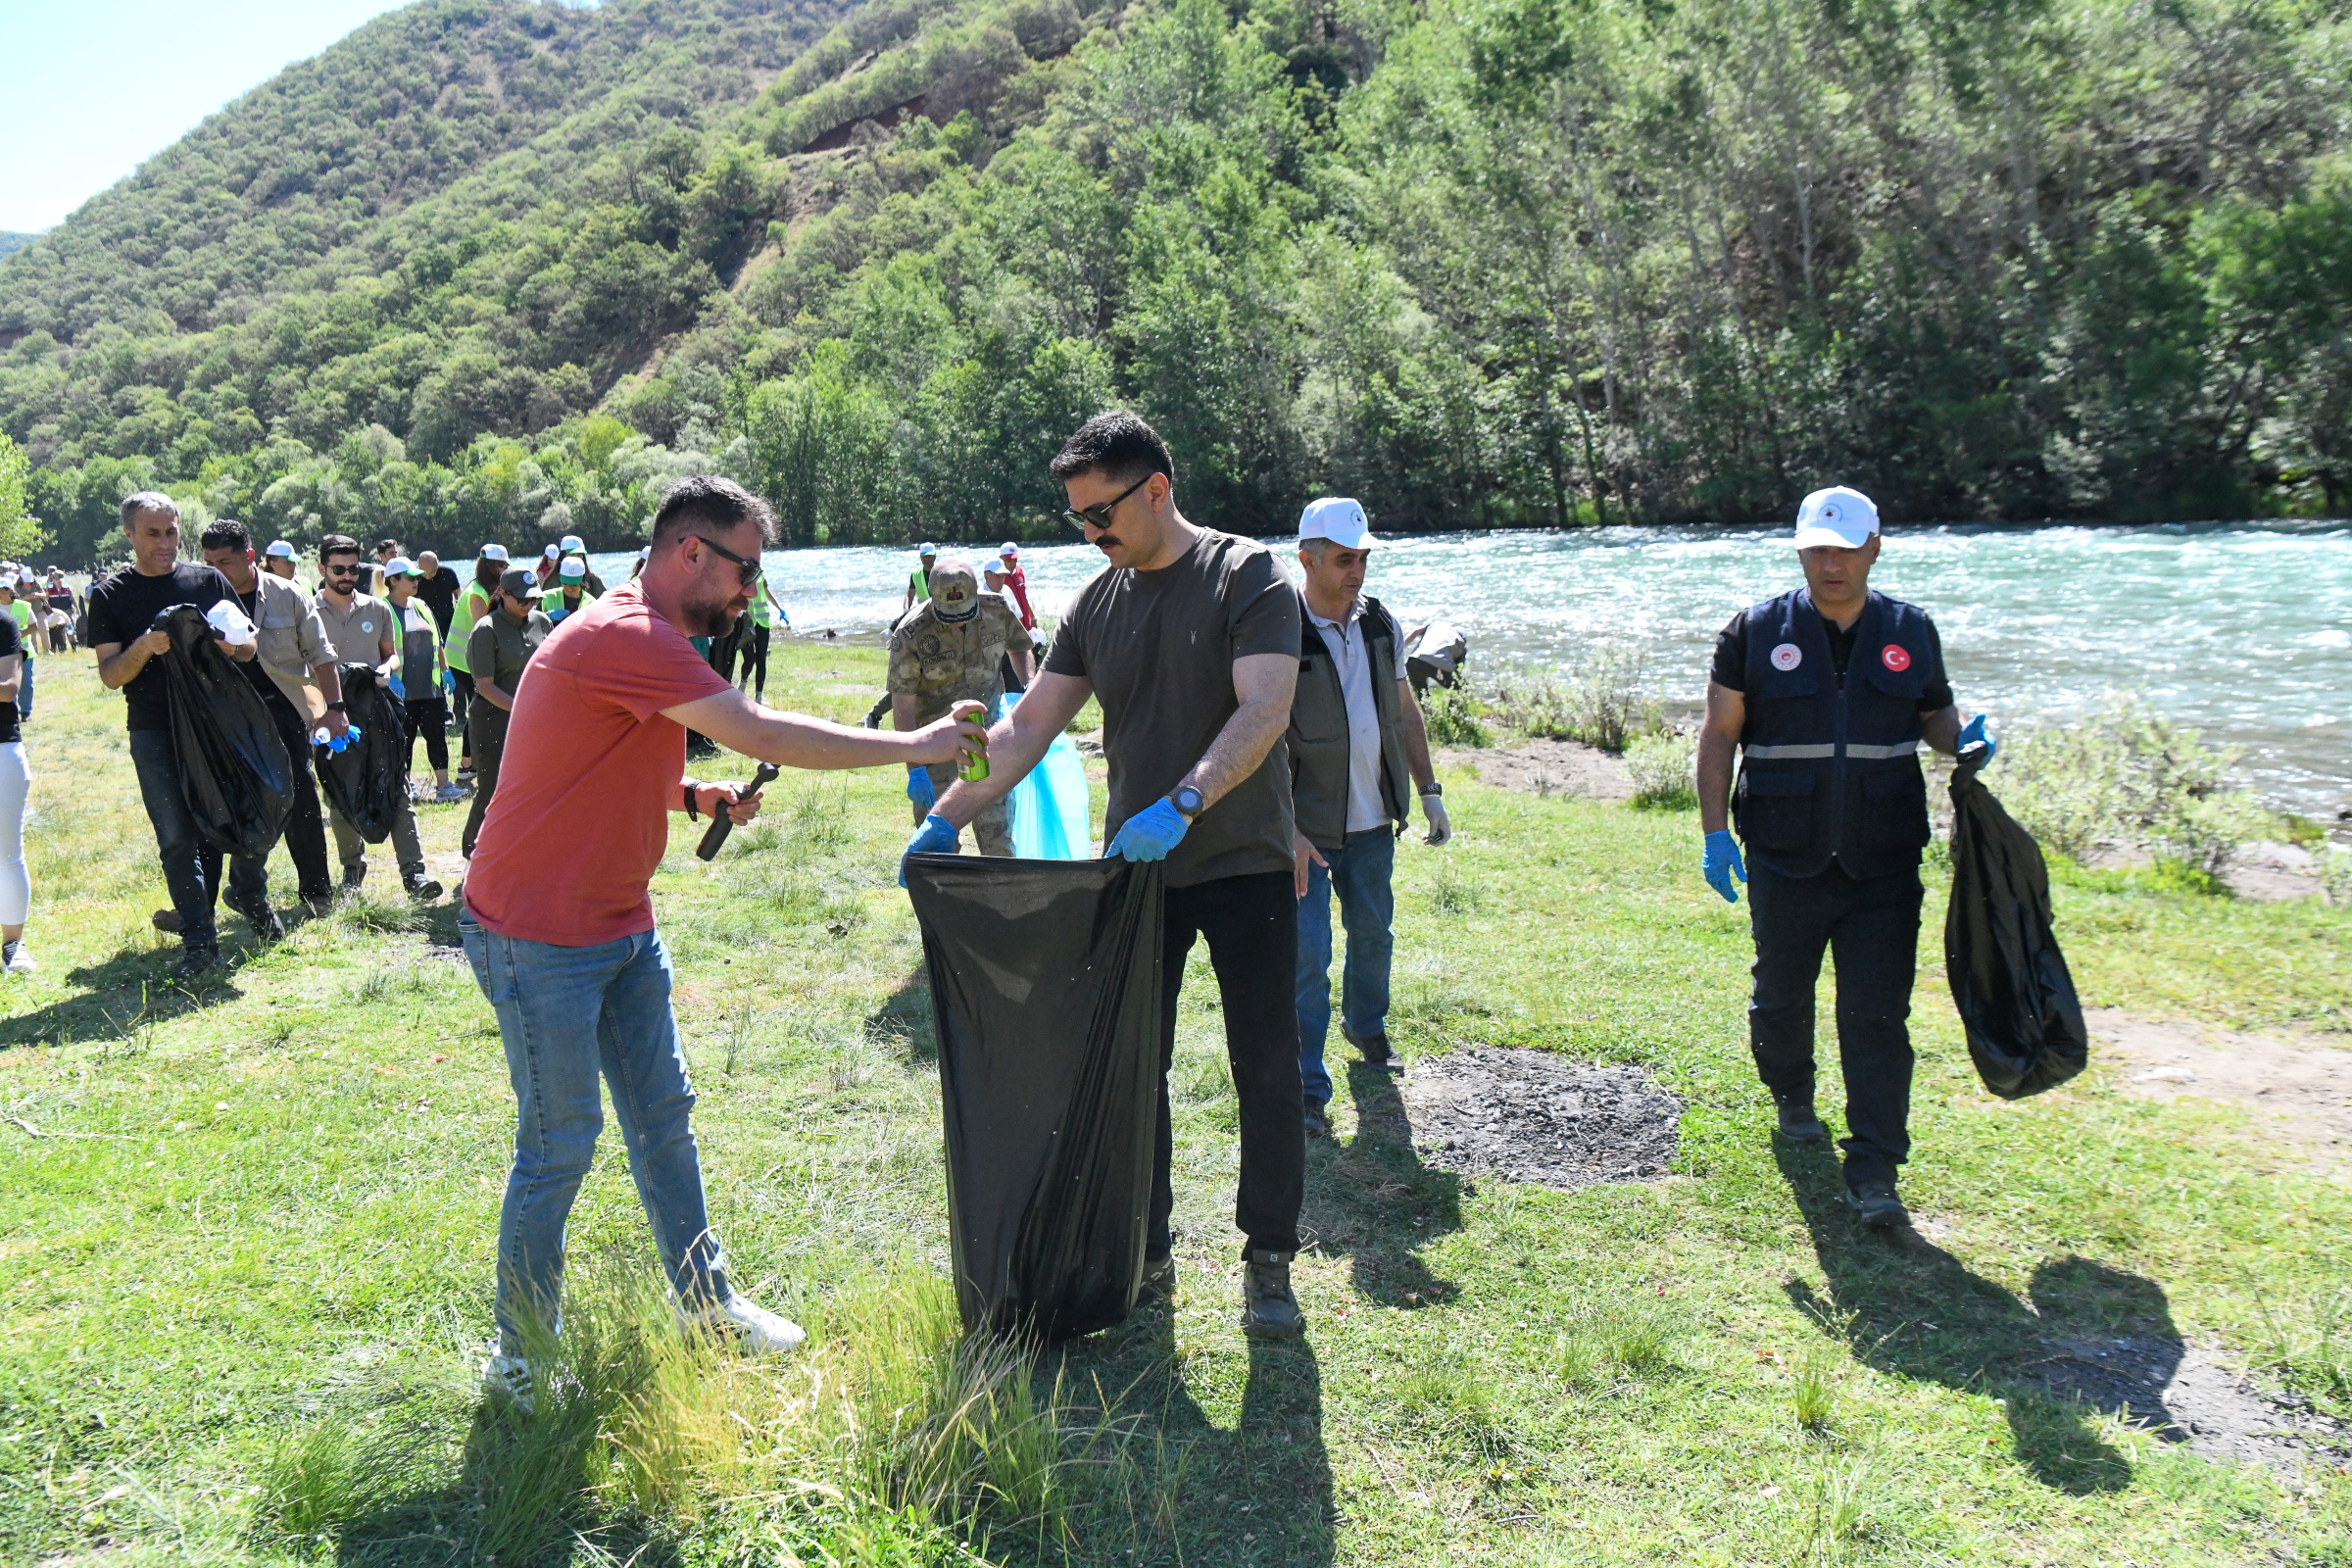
x=166, y=920
x=750, y=1325
x=1269, y=1311
x=13, y=959
x=507, y=1379
x=194, y=962
x=1799, y=1122
x=1158, y=1281
x=257, y=916
x=424, y=889
x=1318, y=1125
x=1374, y=1049
x=1880, y=1209
x=352, y=876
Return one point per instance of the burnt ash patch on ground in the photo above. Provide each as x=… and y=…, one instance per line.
x=1532, y=1116
x=2185, y=1396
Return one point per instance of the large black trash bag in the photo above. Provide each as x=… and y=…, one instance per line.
x=1045, y=981
x=370, y=778
x=234, y=772
x=2000, y=956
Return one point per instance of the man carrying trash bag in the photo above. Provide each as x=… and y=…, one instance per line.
x=1828, y=691
x=1190, y=640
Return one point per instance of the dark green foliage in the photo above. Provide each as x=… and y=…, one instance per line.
x=491, y=270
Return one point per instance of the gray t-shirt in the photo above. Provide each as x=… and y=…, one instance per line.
x=1158, y=647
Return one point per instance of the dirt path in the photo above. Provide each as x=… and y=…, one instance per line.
x=2301, y=1089
x=1549, y=768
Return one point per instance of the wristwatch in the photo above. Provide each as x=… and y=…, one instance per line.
x=1187, y=801
x=1435, y=787
x=338, y=708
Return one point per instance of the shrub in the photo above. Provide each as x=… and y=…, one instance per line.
x=1450, y=715
x=2126, y=775
x=1662, y=764
x=1603, y=705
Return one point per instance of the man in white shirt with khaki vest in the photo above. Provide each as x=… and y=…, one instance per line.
x=1359, y=753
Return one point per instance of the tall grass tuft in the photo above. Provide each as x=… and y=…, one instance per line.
x=890, y=1434
x=2310, y=1349
x=1450, y=715
x=316, y=1482
x=2129, y=776
x=1663, y=765
x=1605, y=704
x=1814, y=1395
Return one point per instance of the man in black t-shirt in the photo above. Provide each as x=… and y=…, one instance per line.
x=437, y=586
x=1190, y=640
x=122, y=613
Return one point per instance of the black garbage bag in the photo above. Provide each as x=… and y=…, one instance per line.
x=2008, y=978
x=1045, y=981
x=369, y=779
x=234, y=772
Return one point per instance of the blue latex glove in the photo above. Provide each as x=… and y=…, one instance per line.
x=398, y=690
x=449, y=681
x=1974, y=731
x=1721, y=863
x=937, y=836
x=918, y=787
x=1150, y=834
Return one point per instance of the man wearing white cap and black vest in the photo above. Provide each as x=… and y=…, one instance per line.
x=1358, y=758
x=1828, y=691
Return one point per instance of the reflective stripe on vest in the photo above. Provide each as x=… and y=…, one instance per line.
x=1790, y=753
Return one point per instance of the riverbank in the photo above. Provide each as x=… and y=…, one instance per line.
x=245, y=1218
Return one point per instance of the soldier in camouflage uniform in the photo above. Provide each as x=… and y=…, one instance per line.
x=951, y=648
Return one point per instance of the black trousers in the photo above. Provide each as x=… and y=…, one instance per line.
x=1252, y=923
x=461, y=705
x=755, y=662
x=1871, y=927
x=429, y=720
x=489, y=750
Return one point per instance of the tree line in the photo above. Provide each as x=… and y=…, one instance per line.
x=1481, y=262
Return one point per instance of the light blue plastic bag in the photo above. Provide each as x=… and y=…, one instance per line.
x=1050, y=808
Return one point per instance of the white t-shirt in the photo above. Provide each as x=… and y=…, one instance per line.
x=1351, y=656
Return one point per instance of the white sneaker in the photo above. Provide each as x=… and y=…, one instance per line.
x=753, y=1326
x=508, y=1378
x=17, y=959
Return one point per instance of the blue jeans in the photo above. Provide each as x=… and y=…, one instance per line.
x=565, y=1014
x=1359, y=869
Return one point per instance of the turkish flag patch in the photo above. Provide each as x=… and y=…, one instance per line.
x=1895, y=657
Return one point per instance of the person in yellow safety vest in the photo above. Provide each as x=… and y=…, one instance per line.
x=766, y=609
x=417, y=683
x=473, y=603
x=572, y=574
x=918, y=581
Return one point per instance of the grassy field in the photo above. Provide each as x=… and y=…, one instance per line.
x=245, y=1262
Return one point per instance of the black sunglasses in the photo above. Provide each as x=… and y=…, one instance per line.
x=1098, y=516
x=749, y=568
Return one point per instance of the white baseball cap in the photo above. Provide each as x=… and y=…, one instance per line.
x=573, y=569
x=1846, y=518
x=552, y=551
x=572, y=543
x=282, y=549
x=492, y=552
x=928, y=550
x=1009, y=548
x=400, y=566
x=1338, y=519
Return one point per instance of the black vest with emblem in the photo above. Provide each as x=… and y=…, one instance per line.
x=1828, y=769
x=1319, y=736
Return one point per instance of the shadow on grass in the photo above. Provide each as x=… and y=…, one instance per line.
x=1372, y=1200
x=1257, y=1492
x=125, y=996
x=1909, y=1308
x=906, y=1016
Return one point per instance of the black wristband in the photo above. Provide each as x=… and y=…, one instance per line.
x=692, y=813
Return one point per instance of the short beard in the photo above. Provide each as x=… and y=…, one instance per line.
x=709, y=618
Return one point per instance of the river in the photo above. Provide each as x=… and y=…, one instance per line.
x=2242, y=631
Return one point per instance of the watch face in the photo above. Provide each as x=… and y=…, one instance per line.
x=1188, y=800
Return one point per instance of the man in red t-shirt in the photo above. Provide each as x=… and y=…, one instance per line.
x=558, y=923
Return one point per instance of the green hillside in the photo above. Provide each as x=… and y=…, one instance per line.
x=484, y=270
x=11, y=242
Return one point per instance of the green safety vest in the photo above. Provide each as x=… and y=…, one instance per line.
x=764, y=613
x=553, y=607
x=473, y=604
x=920, y=583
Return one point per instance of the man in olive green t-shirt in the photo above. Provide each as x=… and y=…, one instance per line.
x=503, y=640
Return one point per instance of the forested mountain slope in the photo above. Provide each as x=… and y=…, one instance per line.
x=1480, y=262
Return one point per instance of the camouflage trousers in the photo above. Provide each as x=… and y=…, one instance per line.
x=992, y=829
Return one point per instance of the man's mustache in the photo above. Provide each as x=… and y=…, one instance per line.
x=1110, y=541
